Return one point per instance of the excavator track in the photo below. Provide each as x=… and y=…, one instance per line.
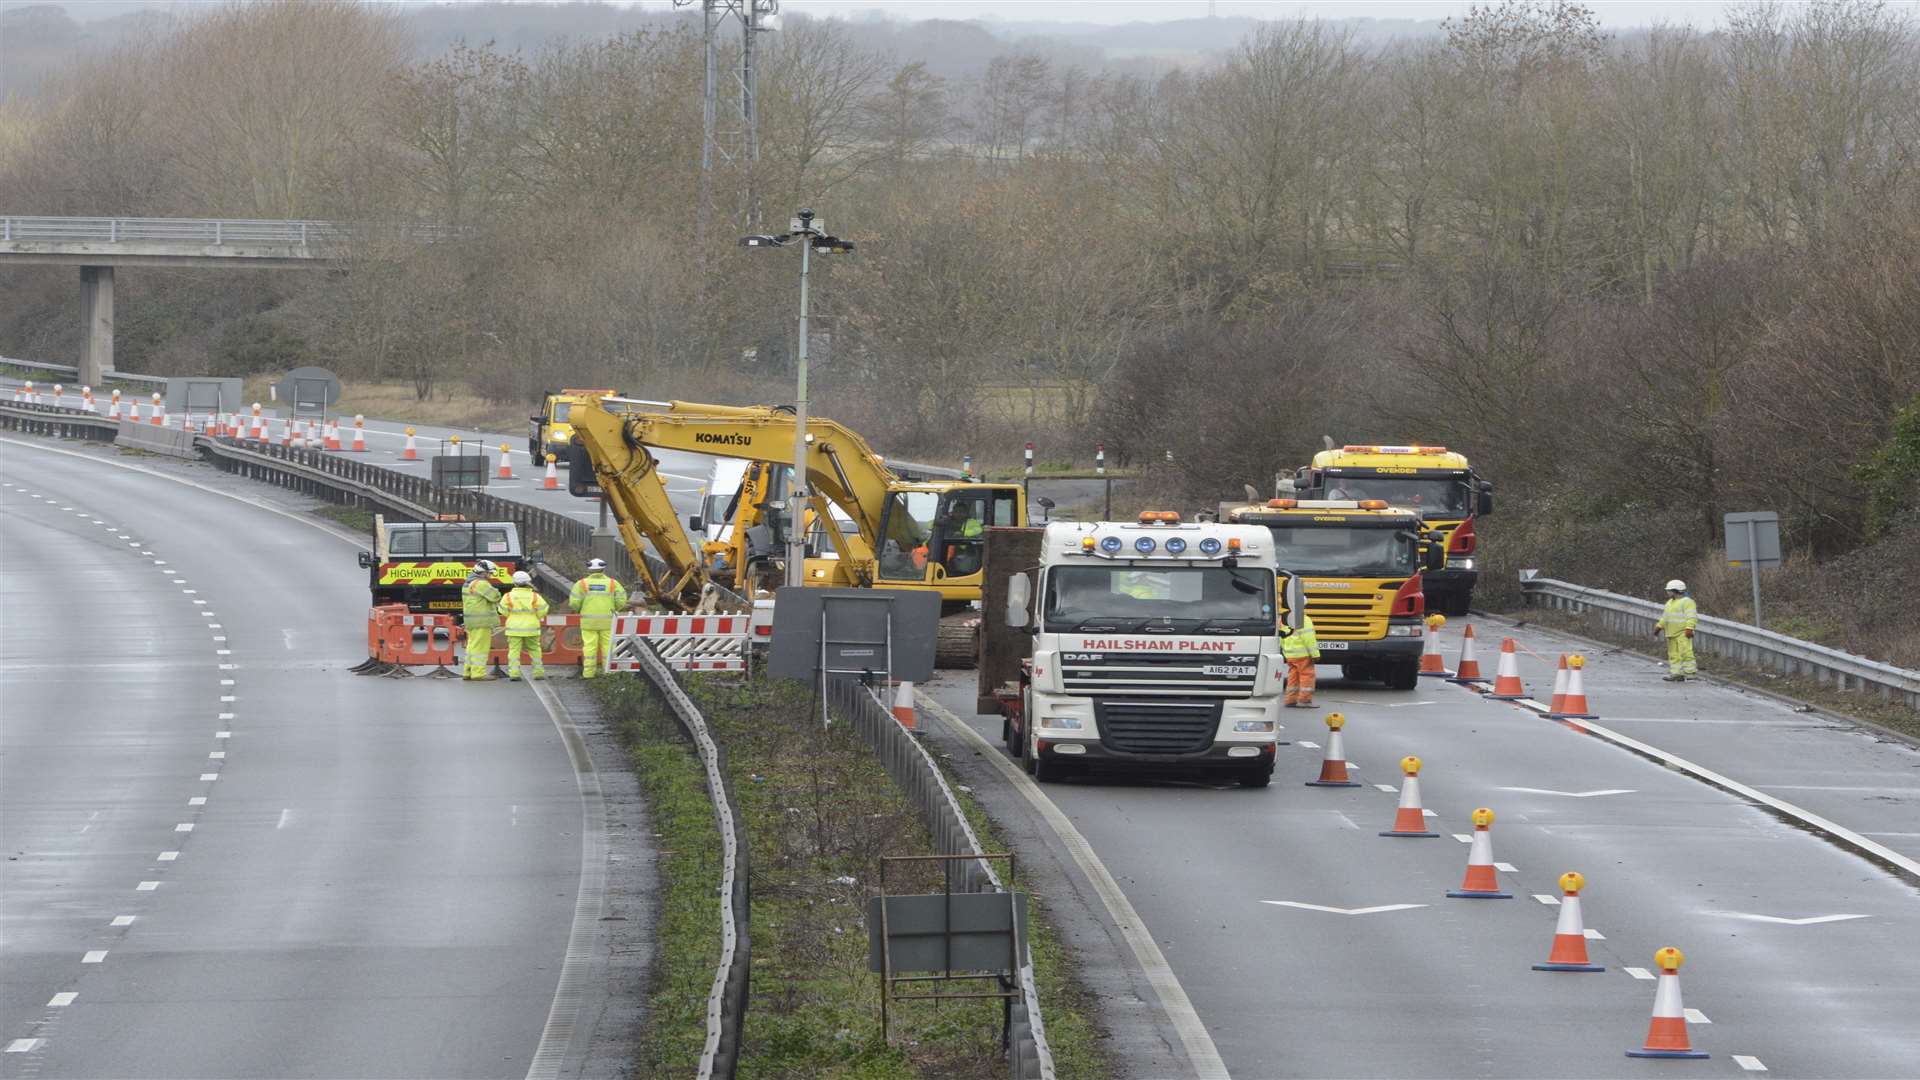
x=955, y=648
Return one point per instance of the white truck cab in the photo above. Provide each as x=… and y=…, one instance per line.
x=1155, y=646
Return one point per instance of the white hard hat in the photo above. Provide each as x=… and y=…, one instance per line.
x=482, y=566
x=1676, y=585
x=521, y=577
x=596, y=564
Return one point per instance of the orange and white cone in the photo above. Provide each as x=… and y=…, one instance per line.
x=903, y=704
x=1506, y=680
x=1431, y=663
x=1573, y=706
x=86, y=399
x=1469, y=669
x=332, y=436
x=506, y=463
x=286, y=431
x=1667, y=1033
x=259, y=426
x=1570, y=933
x=113, y=406
x=1410, y=820
x=158, y=417
x=552, y=480
x=1559, y=687
x=59, y=396
x=1333, y=764
x=186, y=422
x=359, y=435
x=410, y=452
x=20, y=394
x=1483, y=879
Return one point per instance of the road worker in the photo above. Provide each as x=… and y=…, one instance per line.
x=1301, y=647
x=525, y=612
x=596, y=597
x=1677, y=622
x=480, y=613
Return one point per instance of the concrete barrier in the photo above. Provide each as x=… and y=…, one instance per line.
x=156, y=440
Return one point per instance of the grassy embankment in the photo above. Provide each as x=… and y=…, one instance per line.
x=819, y=813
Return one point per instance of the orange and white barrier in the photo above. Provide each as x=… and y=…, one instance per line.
x=1333, y=762
x=903, y=704
x=1570, y=933
x=1483, y=880
x=1469, y=669
x=1506, y=680
x=1410, y=819
x=552, y=480
x=411, y=640
x=359, y=435
x=1431, y=663
x=1667, y=1032
x=684, y=642
x=506, y=463
x=410, y=452
x=1573, y=705
x=1559, y=686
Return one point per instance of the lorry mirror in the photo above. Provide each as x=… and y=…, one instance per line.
x=1486, y=503
x=536, y=418
x=1436, y=556
x=1019, y=595
x=696, y=523
x=1296, y=599
x=366, y=560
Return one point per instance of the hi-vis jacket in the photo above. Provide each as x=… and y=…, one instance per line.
x=597, y=597
x=1681, y=615
x=525, y=612
x=1303, y=642
x=480, y=603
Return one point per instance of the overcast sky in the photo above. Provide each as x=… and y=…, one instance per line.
x=1701, y=13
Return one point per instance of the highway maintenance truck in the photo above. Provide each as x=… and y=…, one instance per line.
x=1360, y=565
x=1437, y=483
x=552, y=431
x=1148, y=645
x=423, y=564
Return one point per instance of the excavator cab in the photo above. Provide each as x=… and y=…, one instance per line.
x=934, y=535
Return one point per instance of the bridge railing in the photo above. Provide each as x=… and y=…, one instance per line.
x=1753, y=645
x=210, y=232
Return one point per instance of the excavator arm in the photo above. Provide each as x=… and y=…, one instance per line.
x=630, y=479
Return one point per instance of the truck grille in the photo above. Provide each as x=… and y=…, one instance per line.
x=1091, y=674
x=1351, y=615
x=1156, y=725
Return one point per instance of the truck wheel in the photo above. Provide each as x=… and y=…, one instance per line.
x=1048, y=770
x=533, y=452
x=1257, y=778
x=1403, y=676
x=1461, y=604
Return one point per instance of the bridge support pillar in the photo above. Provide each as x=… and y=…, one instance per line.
x=96, y=311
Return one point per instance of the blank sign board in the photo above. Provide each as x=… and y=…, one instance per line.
x=854, y=631
x=1753, y=537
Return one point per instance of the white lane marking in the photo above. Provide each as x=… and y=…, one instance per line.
x=146, y=886
x=229, y=667
x=146, y=553
x=219, y=637
x=1749, y=1063
x=1388, y=788
x=223, y=652
x=197, y=800
x=209, y=776
x=200, y=601
x=286, y=815
x=1810, y=920
x=227, y=697
x=94, y=956
x=168, y=856
x=159, y=562
x=1550, y=901
x=223, y=734
x=1342, y=911
x=1308, y=745
x=226, y=682
x=1201, y=1052
x=1571, y=794
x=224, y=716
x=122, y=920
x=1506, y=868
x=179, y=581
x=217, y=754
x=1427, y=813
x=24, y=1046
x=1639, y=973
x=1695, y=1016
x=1463, y=838
x=1594, y=935
x=185, y=826
x=62, y=1000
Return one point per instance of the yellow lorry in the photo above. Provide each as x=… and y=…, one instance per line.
x=552, y=429
x=1360, y=563
x=1438, y=484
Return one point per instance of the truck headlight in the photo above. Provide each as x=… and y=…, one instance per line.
x=562, y=436
x=1403, y=631
x=1460, y=563
x=1061, y=723
x=1261, y=726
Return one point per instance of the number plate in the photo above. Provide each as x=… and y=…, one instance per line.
x=1334, y=645
x=443, y=605
x=1238, y=671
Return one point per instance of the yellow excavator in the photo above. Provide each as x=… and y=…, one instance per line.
x=910, y=535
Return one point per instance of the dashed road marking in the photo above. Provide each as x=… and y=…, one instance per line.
x=1506, y=868
x=209, y=776
x=62, y=999
x=286, y=815
x=1749, y=1063
x=94, y=956
x=1388, y=788
x=146, y=886
x=24, y=1046
x=197, y=800
x=1639, y=973
x=168, y=856
x=1594, y=935
x=224, y=734
x=1550, y=901
x=1695, y=1016
x=226, y=697
x=224, y=716
x=223, y=652
x=1463, y=837
x=226, y=682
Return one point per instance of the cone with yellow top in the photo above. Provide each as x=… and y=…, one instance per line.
x=1667, y=1032
x=1431, y=663
x=1573, y=705
x=1482, y=880
x=1333, y=764
x=410, y=452
x=551, y=481
x=1410, y=820
x=1570, y=933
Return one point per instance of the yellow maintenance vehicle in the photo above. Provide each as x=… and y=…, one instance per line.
x=1438, y=484
x=1360, y=563
x=906, y=535
x=553, y=425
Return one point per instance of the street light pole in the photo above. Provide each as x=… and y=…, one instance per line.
x=797, y=490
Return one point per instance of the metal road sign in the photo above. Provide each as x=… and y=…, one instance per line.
x=1753, y=537
x=308, y=391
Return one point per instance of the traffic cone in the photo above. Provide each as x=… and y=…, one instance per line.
x=359, y=435
x=1667, y=1032
x=186, y=422
x=1482, y=881
x=1569, y=934
x=113, y=406
x=286, y=431
x=1333, y=763
x=20, y=394
x=1430, y=660
x=506, y=463
x=1506, y=680
x=902, y=701
x=1559, y=687
x=332, y=434
x=86, y=399
x=1469, y=670
x=1409, y=819
x=259, y=426
x=552, y=480
x=59, y=396
x=159, y=415
x=410, y=452
x=1573, y=706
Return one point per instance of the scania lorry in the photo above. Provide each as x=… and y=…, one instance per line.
x=1154, y=647
x=1433, y=481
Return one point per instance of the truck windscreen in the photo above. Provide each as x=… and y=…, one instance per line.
x=1438, y=496
x=1343, y=551
x=451, y=539
x=1200, y=598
